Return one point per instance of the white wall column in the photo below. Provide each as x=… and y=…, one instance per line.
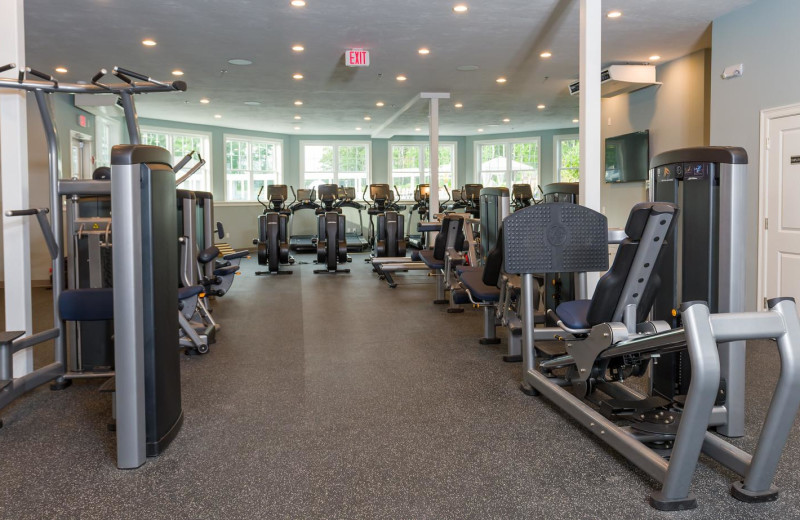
x=590, y=136
x=433, y=136
x=14, y=176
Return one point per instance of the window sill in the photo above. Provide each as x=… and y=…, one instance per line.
x=237, y=203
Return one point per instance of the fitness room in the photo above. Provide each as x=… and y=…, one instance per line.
x=238, y=284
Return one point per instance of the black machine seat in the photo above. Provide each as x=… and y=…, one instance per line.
x=427, y=256
x=208, y=254
x=224, y=271
x=185, y=293
x=632, y=277
x=434, y=258
x=86, y=304
x=482, y=282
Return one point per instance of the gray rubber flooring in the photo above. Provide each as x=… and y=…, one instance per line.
x=338, y=397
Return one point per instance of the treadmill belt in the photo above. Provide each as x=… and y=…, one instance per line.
x=302, y=243
x=355, y=242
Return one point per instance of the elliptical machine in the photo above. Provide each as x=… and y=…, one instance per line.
x=422, y=197
x=387, y=238
x=273, y=237
x=331, y=241
x=521, y=196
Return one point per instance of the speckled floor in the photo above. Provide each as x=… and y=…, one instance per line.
x=337, y=397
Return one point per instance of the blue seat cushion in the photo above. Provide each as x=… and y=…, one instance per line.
x=224, y=271
x=473, y=280
x=185, y=293
x=426, y=255
x=575, y=314
x=461, y=269
x=86, y=304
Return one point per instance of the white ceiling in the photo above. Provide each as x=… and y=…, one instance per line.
x=502, y=38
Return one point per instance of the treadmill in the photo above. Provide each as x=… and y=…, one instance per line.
x=303, y=200
x=346, y=198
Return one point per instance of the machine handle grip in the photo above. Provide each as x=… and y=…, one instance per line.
x=7, y=67
x=26, y=212
x=100, y=74
x=39, y=74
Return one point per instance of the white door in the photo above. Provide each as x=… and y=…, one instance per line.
x=781, y=229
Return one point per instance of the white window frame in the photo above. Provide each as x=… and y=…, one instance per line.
x=557, y=139
x=205, y=154
x=336, y=145
x=279, y=164
x=476, y=174
x=422, y=144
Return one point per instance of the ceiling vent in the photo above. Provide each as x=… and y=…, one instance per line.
x=621, y=79
x=100, y=105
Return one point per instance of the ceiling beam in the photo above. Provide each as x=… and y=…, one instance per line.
x=378, y=131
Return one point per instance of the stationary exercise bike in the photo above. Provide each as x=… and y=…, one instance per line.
x=273, y=237
x=331, y=240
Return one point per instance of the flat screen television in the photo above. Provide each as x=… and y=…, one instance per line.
x=628, y=157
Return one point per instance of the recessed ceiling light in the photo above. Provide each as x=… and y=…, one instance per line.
x=298, y=102
x=467, y=68
x=546, y=54
x=149, y=43
x=401, y=77
x=61, y=70
x=501, y=80
x=298, y=48
x=540, y=106
x=424, y=51
x=655, y=57
x=379, y=104
x=575, y=120
x=298, y=117
x=240, y=61
x=297, y=76
x=367, y=118
x=297, y=128
x=614, y=14
x=205, y=101
x=460, y=8
x=506, y=120
x=176, y=72
x=459, y=105
x=252, y=103
x=298, y=3
x=418, y=129
x=217, y=116
x=358, y=128
x=480, y=129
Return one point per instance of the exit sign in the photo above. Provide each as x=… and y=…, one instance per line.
x=356, y=58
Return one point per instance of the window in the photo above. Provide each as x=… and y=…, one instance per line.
x=345, y=164
x=568, y=151
x=179, y=144
x=503, y=163
x=410, y=165
x=249, y=165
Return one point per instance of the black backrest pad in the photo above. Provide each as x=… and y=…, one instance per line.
x=494, y=261
x=444, y=238
x=555, y=238
x=632, y=277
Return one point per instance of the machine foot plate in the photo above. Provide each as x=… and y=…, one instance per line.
x=658, y=501
x=743, y=495
x=489, y=341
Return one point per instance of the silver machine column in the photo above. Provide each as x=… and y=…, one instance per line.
x=705, y=260
x=148, y=393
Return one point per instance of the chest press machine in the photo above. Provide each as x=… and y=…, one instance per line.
x=611, y=339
